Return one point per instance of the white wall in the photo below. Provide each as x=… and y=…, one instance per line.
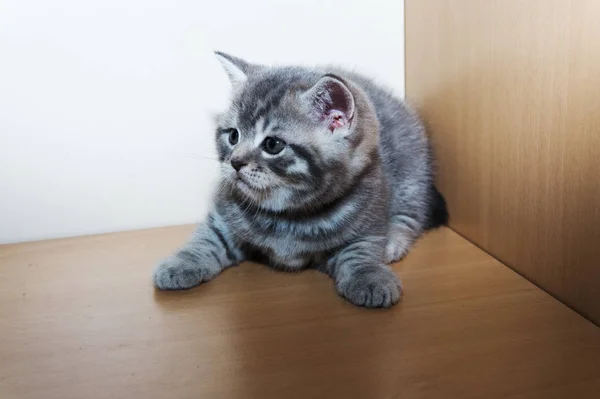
x=105, y=104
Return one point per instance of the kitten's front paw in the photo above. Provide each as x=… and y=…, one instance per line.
x=373, y=288
x=175, y=273
x=396, y=250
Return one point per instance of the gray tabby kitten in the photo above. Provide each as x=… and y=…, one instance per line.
x=319, y=168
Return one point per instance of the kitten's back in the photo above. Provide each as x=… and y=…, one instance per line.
x=406, y=155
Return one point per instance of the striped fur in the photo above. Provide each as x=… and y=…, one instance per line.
x=349, y=192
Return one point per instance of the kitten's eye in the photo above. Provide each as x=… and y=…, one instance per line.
x=234, y=136
x=272, y=145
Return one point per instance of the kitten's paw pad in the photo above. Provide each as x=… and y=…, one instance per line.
x=395, y=250
x=379, y=288
x=175, y=274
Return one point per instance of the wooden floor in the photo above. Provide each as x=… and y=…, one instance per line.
x=79, y=319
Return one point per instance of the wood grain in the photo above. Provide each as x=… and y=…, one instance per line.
x=510, y=90
x=80, y=319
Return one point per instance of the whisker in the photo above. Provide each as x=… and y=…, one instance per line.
x=198, y=156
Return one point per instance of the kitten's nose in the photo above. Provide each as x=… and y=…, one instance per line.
x=238, y=163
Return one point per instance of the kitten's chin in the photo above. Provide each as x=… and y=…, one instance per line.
x=244, y=187
x=255, y=194
x=274, y=200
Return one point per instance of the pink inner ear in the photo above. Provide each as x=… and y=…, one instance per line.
x=333, y=102
x=337, y=119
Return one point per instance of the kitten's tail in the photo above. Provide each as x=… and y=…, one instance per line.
x=438, y=214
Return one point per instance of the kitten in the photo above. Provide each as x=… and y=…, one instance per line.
x=319, y=168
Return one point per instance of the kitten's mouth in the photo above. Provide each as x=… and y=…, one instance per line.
x=243, y=185
x=247, y=187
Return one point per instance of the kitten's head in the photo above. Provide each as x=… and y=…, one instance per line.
x=292, y=138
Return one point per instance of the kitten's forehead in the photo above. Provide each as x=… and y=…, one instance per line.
x=262, y=101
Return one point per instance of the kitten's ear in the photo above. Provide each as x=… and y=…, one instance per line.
x=236, y=68
x=332, y=101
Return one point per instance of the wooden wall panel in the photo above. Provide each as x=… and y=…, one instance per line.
x=510, y=90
